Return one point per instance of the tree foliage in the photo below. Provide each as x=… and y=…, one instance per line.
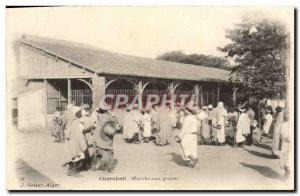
x=196, y=59
x=259, y=50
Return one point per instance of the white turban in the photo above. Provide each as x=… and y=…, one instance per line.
x=84, y=113
x=274, y=103
x=220, y=104
x=281, y=104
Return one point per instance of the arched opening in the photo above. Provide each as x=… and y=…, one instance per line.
x=57, y=93
x=81, y=92
x=119, y=87
x=210, y=94
x=182, y=90
x=155, y=88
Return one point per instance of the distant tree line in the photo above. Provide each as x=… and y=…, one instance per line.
x=195, y=59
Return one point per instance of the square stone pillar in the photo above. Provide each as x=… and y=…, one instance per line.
x=98, y=84
x=197, y=93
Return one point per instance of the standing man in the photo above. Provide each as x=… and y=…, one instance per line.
x=278, y=120
x=134, y=118
x=210, y=117
x=68, y=118
x=154, y=119
x=58, y=126
x=70, y=115
x=243, y=127
x=77, y=145
x=165, y=127
x=232, y=120
x=126, y=124
x=146, y=125
x=268, y=119
x=286, y=145
x=188, y=137
x=221, y=114
x=204, y=127
x=104, y=134
x=251, y=115
x=120, y=116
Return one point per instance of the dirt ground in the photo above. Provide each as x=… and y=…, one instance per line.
x=146, y=166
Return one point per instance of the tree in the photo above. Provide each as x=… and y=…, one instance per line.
x=195, y=59
x=259, y=50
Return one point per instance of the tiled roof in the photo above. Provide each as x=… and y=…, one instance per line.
x=105, y=62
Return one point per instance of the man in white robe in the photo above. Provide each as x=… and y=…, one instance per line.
x=154, y=119
x=286, y=153
x=221, y=114
x=134, y=121
x=243, y=127
x=278, y=120
x=77, y=145
x=164, y=127
x=267, y=122
x=188, y=138
x=146, y=126
x=126, y=123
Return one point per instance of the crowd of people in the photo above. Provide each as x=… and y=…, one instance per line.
x=89, y=133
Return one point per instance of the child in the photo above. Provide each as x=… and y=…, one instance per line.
x=58, y=126
x=268, y=122
x=256, y=133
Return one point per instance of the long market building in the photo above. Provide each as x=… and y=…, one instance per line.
x=56, y=72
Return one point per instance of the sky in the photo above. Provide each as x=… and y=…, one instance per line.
x=140, y=31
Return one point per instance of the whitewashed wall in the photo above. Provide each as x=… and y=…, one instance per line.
x=31, y=111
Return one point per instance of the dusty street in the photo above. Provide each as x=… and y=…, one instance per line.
x=39, y=164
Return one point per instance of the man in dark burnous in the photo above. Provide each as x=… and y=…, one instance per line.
x=104, y=133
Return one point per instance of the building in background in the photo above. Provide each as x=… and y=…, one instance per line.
x=55, y=72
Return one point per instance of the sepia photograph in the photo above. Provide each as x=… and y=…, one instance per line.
x=158, y=98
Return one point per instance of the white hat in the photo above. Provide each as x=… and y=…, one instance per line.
x=254, y=123
x=209, y=106
x=281, y=104
x=220, y=104
x=268, y=102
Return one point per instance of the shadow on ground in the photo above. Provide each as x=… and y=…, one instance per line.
x=259, y=154
x=263, y=170
x=177, y=159
x=264, y=146
x=30, y=174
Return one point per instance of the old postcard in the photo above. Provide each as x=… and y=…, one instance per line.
x=150, y=98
